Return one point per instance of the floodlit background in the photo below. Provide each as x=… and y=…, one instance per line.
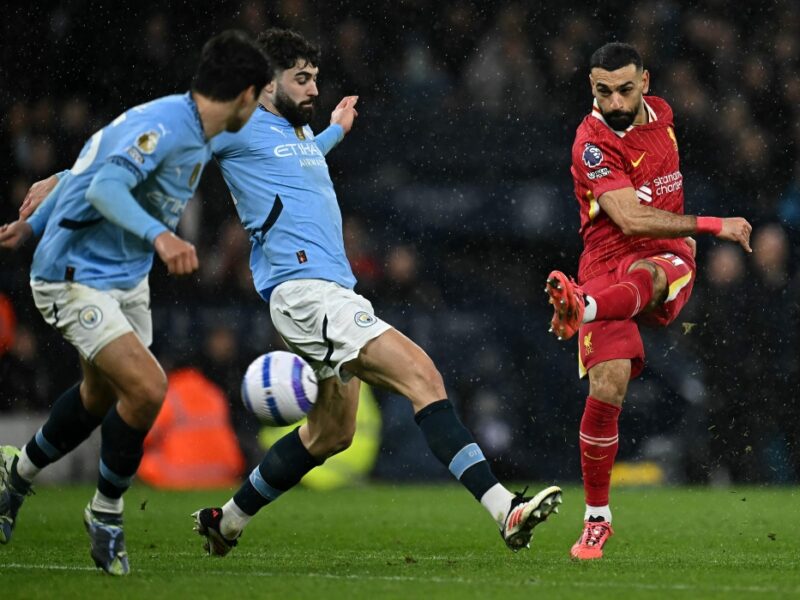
x=457, y=201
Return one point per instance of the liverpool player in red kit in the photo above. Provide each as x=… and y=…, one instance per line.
x=637, y=266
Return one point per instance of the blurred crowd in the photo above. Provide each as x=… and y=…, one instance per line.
x=456, y=193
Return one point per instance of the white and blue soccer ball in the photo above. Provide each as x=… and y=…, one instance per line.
x=279, y=388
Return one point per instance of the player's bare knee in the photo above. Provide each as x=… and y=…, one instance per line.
x=609, y=392
x=428, y=386
x=148, y=396
x=609, y=383
x=658, y=276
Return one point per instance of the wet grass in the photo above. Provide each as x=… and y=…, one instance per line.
x=416, y=542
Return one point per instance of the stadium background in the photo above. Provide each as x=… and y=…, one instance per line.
x=457, y=199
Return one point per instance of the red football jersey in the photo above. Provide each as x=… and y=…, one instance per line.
x=645, y=158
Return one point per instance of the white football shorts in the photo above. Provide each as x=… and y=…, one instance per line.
x=90, y=319
x=323, y=322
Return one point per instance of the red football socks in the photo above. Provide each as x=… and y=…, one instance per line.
x=626, y=298
x=599, y=442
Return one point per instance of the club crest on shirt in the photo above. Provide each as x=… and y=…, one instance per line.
x=90, y=317
x=364, y=319
x=195, y=174
x=147, y=141
x=587, y=343
x=592, y=155
x=671, y=133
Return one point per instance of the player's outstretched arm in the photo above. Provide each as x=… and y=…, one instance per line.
x=735, y=229
x=36, y=195
x=342, y=119
x=345, y=113
x=13, y=235
x=634, y=219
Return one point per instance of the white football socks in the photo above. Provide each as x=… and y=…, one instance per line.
x=597, y=511
x=102, y=503
x=234, y=519
x=590, y=312
x=497, y=500
x=25, y=467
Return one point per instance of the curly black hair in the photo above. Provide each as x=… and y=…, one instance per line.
x=285, y=47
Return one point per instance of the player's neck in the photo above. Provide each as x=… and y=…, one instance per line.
x=269, y=106
x=643, y=116
x=213, y=115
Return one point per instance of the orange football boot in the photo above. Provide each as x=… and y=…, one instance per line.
x=568, y=302
x=590, y=545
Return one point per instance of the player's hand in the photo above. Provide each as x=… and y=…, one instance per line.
x=736, y=229
x=690, y=241
x=345, y=113
x=13, y=235
x=36, y=195
x=180, y=256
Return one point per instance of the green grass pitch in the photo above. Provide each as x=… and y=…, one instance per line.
x=429, y=542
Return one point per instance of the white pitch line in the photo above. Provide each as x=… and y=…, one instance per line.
x=680, y=587
x=46, y=567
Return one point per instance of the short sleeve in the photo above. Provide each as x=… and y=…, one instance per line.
x=143, y=140
x=599, y=166
x=228, y=144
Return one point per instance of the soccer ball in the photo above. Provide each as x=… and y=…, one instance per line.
x=279, y=388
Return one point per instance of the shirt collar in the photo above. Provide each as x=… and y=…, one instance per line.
x=196, y=113
x=651, y=115
x=282, y=119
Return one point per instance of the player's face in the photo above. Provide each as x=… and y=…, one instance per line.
x=619, y=95
x=242, y=109
x=295, y=91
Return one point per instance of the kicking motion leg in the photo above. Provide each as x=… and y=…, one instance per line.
x=329, y=430
x=395, y=362
x=641, y=289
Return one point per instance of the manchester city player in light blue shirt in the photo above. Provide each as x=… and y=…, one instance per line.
x=119, y=202
x=276, y=171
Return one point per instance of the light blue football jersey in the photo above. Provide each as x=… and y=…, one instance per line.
x=163, y=144
x=284, y=195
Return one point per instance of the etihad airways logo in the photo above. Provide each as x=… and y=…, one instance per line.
x=303, y=149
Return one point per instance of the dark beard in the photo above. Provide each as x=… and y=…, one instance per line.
x=298, y=115
x=619, y=120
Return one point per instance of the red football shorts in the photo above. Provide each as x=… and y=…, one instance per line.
x=600, y=341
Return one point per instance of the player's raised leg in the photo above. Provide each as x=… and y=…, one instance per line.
x=393, y=361
x=641, y=289
x=329, y=429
